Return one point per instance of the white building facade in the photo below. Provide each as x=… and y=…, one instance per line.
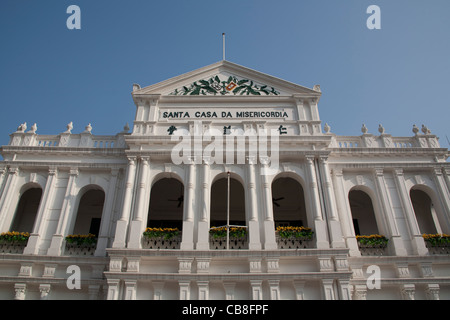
x=225, y=145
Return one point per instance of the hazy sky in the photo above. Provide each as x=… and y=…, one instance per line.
x=397, y=76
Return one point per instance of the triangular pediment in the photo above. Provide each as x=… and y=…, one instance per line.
x=225, y=78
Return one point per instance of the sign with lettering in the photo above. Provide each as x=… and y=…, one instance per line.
x=234, y=113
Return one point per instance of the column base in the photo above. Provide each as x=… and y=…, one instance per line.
x=32, y=245
x=419, y=246
x=121, y=234
x=270, y=241
x=136, y=230
x=56, y=245
x=203, y=236
x=187, y=240
x=321, y=234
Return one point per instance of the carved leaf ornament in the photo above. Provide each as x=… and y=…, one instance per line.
x=215, y=86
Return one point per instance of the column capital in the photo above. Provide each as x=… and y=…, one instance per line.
x=323, y=159
x=337, y=172
x=132, y=160
x=379, y=172
x=52, y=171
x=74, y=172
x=145, y=159
x=398, y=172
x=252, y=160
x=437, y=171
x=310, y=158
x=13, y=170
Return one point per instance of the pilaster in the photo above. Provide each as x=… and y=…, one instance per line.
x=137, y=225
x=396, y=243
x=330, y=203
x=190, y=204
x=66, y=217
x=5, y=200
x=122, y=223
x=105, y=227
x=444, y=194
x=203, y=223
x=43, y=211
x=319, y=223
x=344, y=213
x=418, y=243
x=253, y=223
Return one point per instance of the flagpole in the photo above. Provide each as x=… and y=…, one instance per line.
x=223, y=46
x=228, y=210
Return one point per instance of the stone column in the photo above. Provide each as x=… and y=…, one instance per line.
x=130, y=289
x=320, y=227
x=122, y=223
x=254, y=240
x=330, y=203
x=138, y=224
x=256, y=287
x=299, y=286
x=44, y=289
x=113, y=289
x=229, y=289
x=42, y=214
x=444, y=195
x=66, y=216
x=185, y=289
x=187, y=241
x=344, y=212
x=5, y=200
x=105, y=227
x=203, y=223
x=274, y=288
x=328, y=290
x=20, y=291
x=203, y=290
x=396, y=243
x=416, y=237
x=158, y=287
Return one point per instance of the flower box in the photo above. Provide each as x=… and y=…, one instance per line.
x=14, y=236
x=372, y=241
x=80, y=244
x=437, y=243
x=13, y=242
x=81, y=239
x=294, y=237
x=237, y=238
x=161, y=238
x=162, y=233
x=235, y=232
x=290, y=232
x=437, y=240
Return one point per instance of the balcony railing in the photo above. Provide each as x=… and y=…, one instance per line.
x=12, y=247
x=161, y=242
x=84, y=249
x=294, y=243
x=234, y=243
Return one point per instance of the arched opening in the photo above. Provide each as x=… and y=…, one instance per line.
x=166, y=204
x=89, y=214
x=424, y=210
x=288, y=199
x=219, y=191
x=363, y=215
x=26, y=211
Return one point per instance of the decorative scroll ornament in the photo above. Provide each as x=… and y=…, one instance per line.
x=231, y=86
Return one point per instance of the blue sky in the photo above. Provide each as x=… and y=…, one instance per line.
x=397, y=76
